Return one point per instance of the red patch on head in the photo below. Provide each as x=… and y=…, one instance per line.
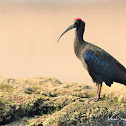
x=77, y=19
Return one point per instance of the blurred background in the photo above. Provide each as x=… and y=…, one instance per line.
x=29, y=30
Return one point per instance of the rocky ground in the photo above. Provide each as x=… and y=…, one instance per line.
x=49, y=102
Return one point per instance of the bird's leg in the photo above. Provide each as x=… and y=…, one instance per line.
x=96, y=97
x=98, y=93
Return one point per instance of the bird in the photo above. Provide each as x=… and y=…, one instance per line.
x=101, y=66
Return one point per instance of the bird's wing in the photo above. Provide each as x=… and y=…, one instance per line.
x=103, y=64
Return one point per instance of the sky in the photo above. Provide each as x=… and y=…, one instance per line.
x=69, y=1
x=29, y=33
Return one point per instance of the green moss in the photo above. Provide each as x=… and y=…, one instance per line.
x=32, y=90
x=55, y=89
x=6, y=87
x=35, y=88
x=4, y=100
x=115, y=100
x=25, y=118
x=77, y=90
x=87, y=87
x=89, y=95
x=50, y=110
x=67, y=86
x=122, y=101
x=50, y=94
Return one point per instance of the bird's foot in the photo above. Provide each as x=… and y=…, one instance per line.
x=94, y=98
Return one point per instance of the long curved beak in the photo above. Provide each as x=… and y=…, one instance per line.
x=69, y=28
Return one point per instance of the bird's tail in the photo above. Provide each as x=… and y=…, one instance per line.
x=122, y=82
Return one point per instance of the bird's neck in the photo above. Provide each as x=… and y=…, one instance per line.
x=78, y=40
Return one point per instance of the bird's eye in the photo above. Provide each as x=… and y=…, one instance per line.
x=77, y=22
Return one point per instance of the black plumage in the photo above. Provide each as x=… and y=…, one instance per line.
x=102, y=67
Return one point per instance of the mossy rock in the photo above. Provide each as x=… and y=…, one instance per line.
x=84, y=114
x=6, y=113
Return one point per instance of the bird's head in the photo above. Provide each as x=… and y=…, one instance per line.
x=76, y=24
